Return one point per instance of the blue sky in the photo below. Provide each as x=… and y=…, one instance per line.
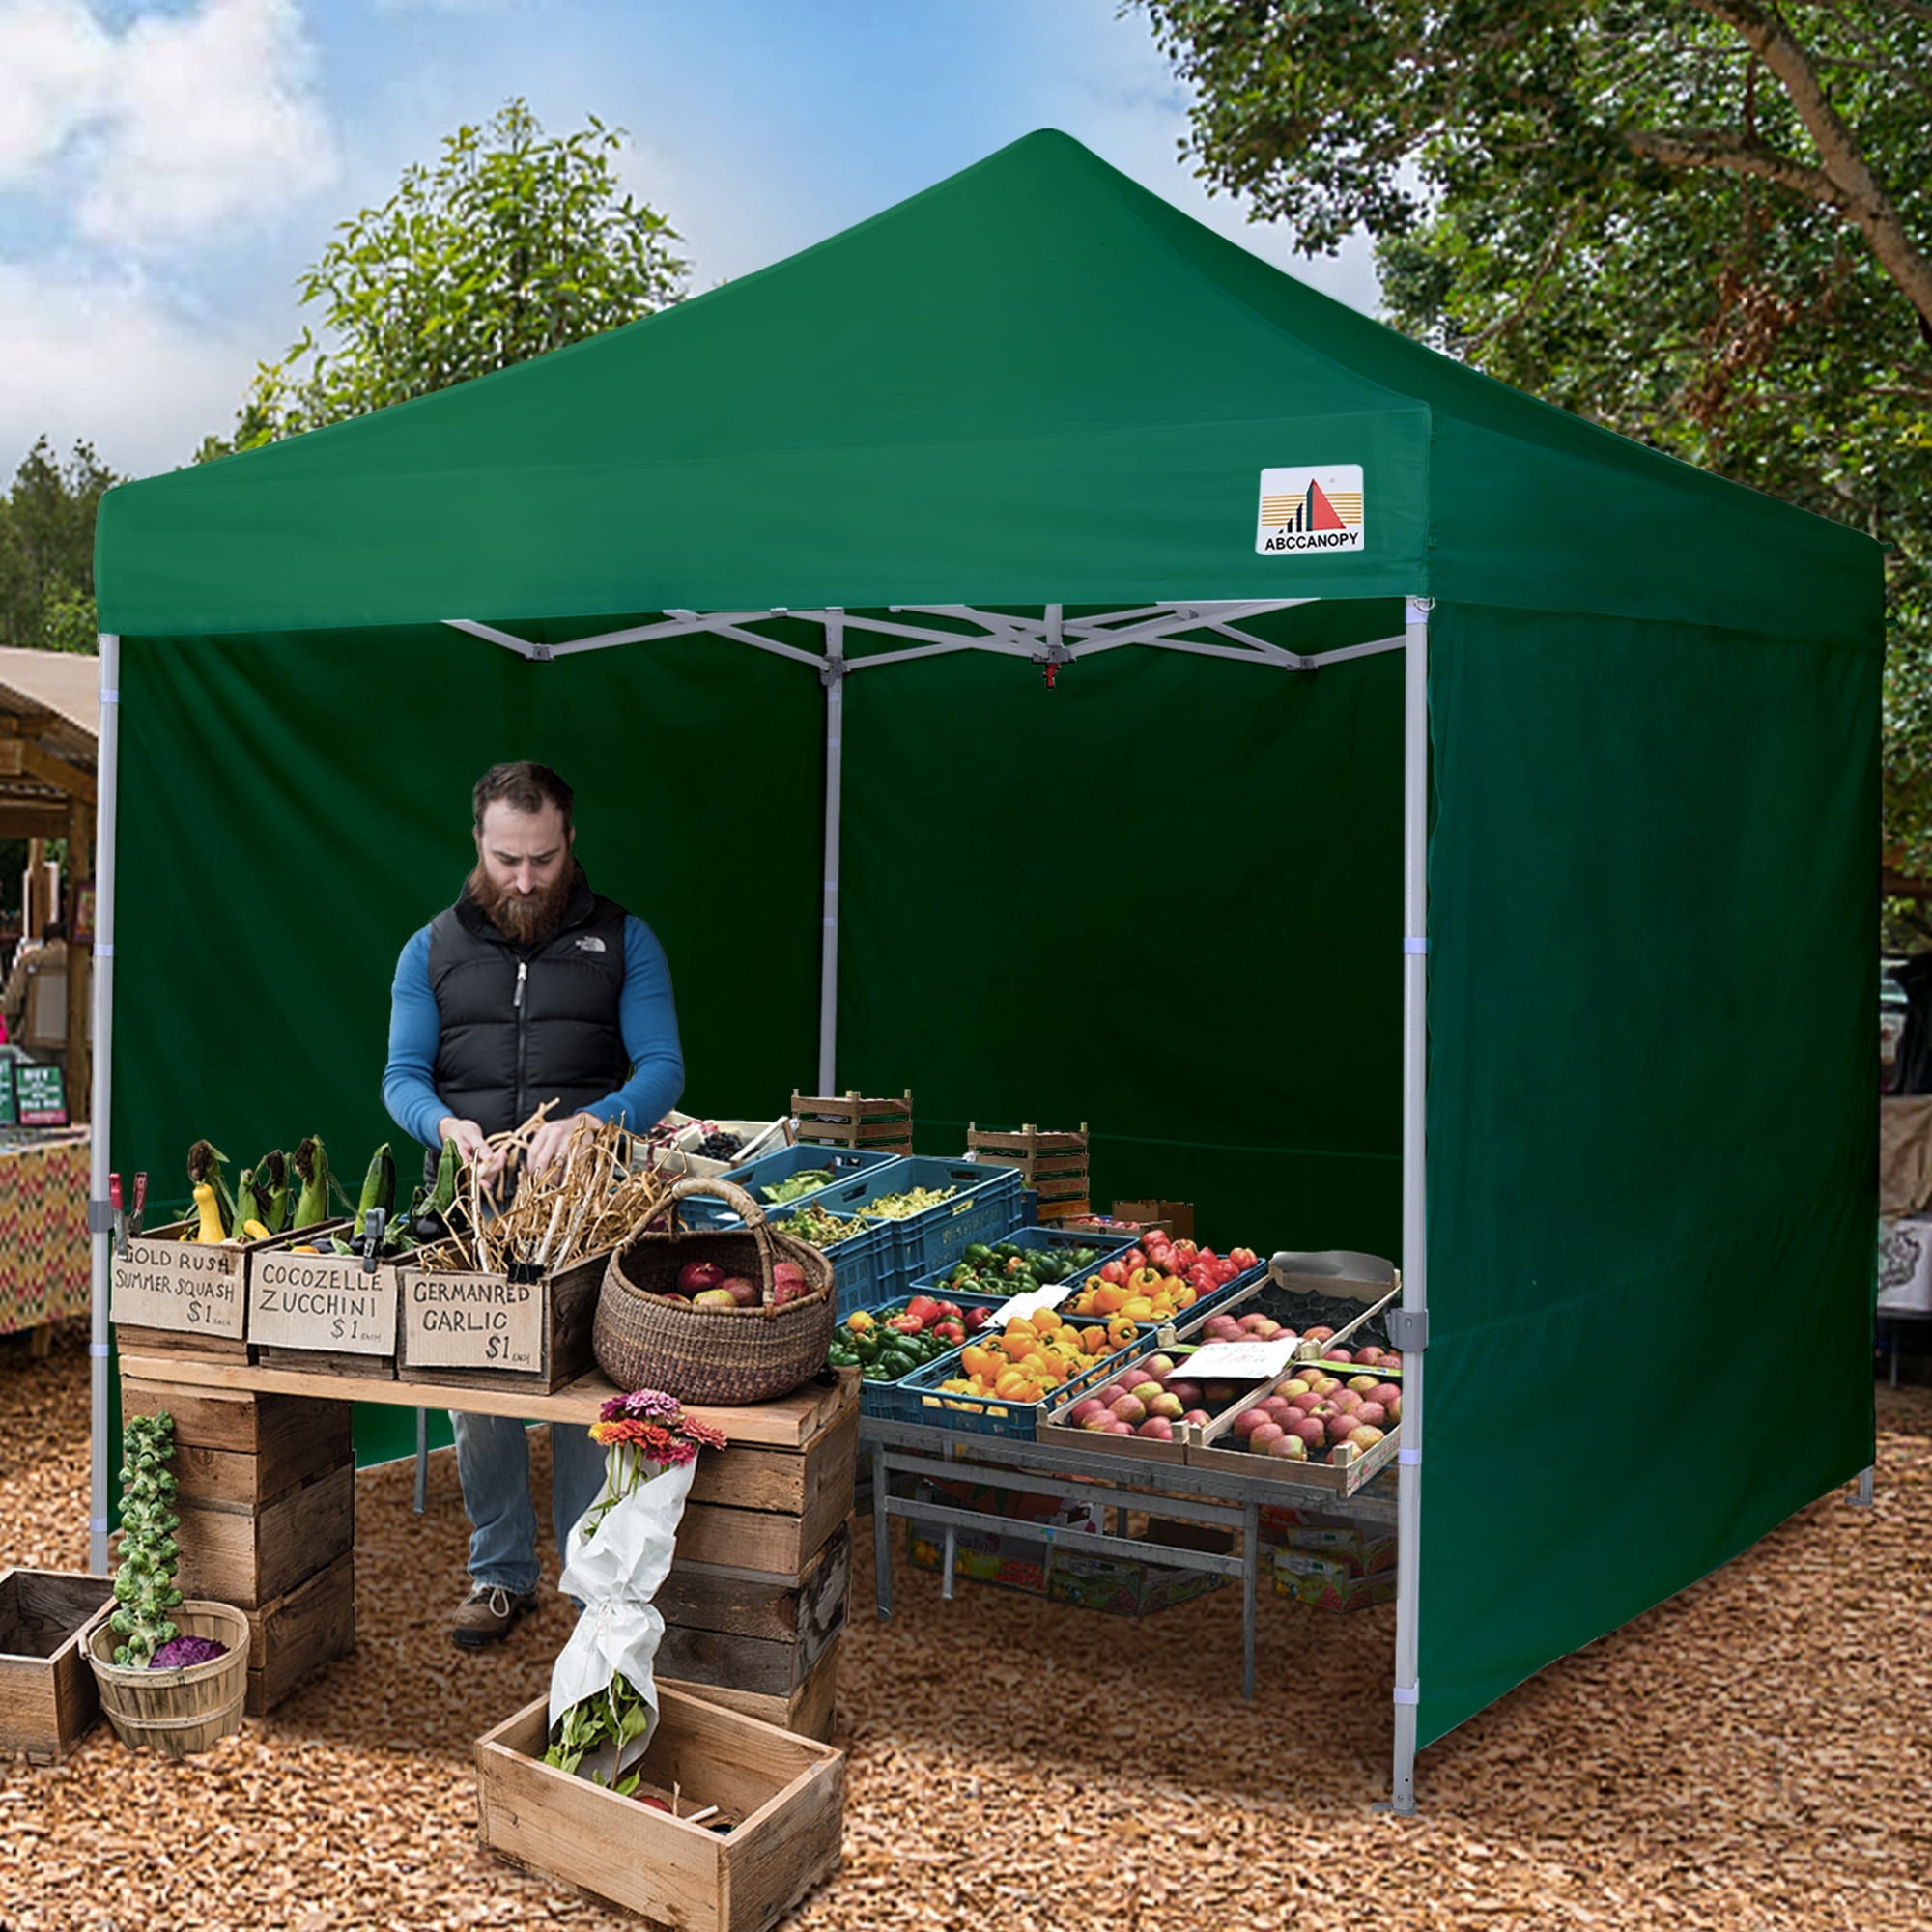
x=168, y=167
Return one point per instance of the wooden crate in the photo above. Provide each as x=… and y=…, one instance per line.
x=323, y=1312
x=738, y=1627
x=299, y=1634
x=48, y=1701
x=1054, y=1165
x=849, y=1120
x=787, y=1791
x=779, y=1540
x=487, y=1331
x=170, y=1294
x=247, y=1558
x=239, y=1452
x=809, y=1711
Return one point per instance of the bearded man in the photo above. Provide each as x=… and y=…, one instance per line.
x=530, y=988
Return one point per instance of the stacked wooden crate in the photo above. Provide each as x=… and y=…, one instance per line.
x=267, y=1519
x=757, y=1598
x=1054, y=1165
x=851, y=1120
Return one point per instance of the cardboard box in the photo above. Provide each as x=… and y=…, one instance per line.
x=1127, y=1589
x=1360, y=1551
x=1326, y=1585
x=1176, y=1217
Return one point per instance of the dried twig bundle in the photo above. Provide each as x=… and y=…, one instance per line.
x=586, y=1201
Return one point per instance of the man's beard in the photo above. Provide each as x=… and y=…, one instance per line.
x=528, y=922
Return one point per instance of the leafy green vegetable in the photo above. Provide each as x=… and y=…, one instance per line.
x=144, y=1584
x=616, y=1715
x=807, y=1181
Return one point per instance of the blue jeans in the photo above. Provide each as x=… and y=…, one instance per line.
x=493, y=1459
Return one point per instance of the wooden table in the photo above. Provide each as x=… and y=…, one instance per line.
x=754, y=1603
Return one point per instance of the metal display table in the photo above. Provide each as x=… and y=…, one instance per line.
x=1166, y=1490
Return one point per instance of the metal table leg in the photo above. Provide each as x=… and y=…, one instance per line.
x=1251, y=1565
x=881, y=1535
x=422, y=1461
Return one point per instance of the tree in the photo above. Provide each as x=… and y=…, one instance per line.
x=46, y=550
x=512, y=244
x=1705, y=224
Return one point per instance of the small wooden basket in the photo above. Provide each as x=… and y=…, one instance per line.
x=646, y=1338
x=178, y=1712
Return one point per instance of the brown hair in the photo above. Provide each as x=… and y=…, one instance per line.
x=523, y=787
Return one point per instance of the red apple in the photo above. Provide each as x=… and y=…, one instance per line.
x=1199, y=1417
x=1167, y=1406
x=1129, y=1409
x=1385, y=1393
x=1087, y=1405
x=1188, y=1392
x=1156, y=1429
x=1321, y=1334
x=1291, y=1448
x=694, y=1277
x=1365, y=1438
x=1341, y=1355
x=1268, y=1432
x=1372, y=1414
x=744, y=1291
x=1308, y=1431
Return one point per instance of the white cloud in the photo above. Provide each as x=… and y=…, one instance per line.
x=54, y=67
x=105, y=356
x=172, y=129
x=212, y=118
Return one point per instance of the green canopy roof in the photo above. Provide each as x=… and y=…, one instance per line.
x=1034, y=381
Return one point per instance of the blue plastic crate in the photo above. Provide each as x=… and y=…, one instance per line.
x=1106, y=1247
x=986, y=1206
x=860, y=1264
x=918, y=1397
x=842, y=1163
x=872, y=1395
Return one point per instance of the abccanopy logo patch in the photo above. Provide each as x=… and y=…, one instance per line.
x=1302, y=510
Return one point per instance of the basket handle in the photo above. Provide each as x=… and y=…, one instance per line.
x=728, y=1191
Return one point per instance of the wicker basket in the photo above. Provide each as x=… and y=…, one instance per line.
x=645, y=1338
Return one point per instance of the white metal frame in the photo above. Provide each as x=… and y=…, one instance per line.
x=1053, y=640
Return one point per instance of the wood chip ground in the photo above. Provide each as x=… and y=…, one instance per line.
x=1753, y=1756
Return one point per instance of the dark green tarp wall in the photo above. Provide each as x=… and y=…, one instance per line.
x=1166, y=896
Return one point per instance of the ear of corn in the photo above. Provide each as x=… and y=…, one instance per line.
x=312, y=1165
x=378, y=1187
x=449, y=1164
x=204, y=1169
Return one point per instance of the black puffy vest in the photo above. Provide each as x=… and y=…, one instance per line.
x=526, y=1024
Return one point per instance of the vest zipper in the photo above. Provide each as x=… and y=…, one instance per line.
x=522, y=1043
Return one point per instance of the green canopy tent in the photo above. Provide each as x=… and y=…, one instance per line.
x=1426, y=773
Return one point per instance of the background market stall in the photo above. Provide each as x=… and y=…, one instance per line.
x=1425, y=776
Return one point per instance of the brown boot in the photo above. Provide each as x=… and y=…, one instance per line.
x=488, y=1616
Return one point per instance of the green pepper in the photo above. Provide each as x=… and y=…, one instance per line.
x=978, y=1252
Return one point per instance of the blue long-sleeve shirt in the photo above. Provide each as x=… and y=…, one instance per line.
x=644, y=1012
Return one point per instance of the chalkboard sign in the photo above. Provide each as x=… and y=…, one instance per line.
x=39, y=1095
x=7, y=1115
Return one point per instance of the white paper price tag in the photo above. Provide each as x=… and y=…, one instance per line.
x=1030, y=1303
x=1242, y=1361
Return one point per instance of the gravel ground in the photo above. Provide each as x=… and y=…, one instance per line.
x=1039, y=1767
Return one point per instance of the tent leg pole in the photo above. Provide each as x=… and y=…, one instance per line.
x=1863, y=1498
x=1414, y=1193
x=833, y=675
x=100, y=1218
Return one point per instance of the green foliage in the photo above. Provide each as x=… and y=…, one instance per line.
x=144, y=1583
x=616, y=1715
x=46, y=550
x=513, y=243
x=1703, y=225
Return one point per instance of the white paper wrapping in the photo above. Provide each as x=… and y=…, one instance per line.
x=615, y=1573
